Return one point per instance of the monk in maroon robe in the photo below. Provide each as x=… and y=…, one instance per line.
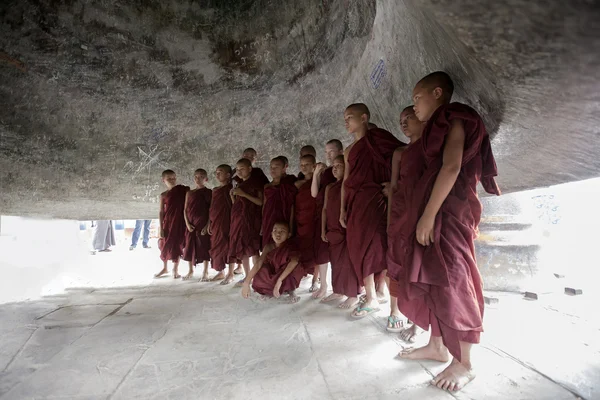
x=279, y=198
x=304, y=217
x=197, y=240
x=440, y=286
x=246, y=217
x=257, y=173
x=364, y=207
x=220, y=221
x=172, y=224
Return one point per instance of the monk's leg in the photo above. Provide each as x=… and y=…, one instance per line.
x=349, y=303
x=434, y=350
x=176, y=269
x=323, y=288
x=314, y=286
x=229, y=278
x=458, y=373
x=396, y=319
x=239, y=269
x=370, y=304
x=246, y=266
x=380, y=286
x=164, y=271
x=190, y=273
x=205, y=277
x=218, y=277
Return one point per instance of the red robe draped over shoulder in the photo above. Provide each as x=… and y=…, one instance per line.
x=173, y=224
x=290, y=179
x=370, y=161
x=304, y=216
x=275, y=263
x=278, y=203
x=246, y=217
x=343, y=276
x=441, y=285
x=321, y=247
x=197, y=246
x=220, y=221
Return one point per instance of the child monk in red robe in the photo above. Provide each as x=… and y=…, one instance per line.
x=220, y=221
x=172, y=224
x=197, y=242
x=304, y=151
x=278, y=202
x=412, y=129
x=277, y=269
x=344, y=280
x=287, y=177
x=257, y=173
x=441, y=286
x=322, y=177
x=363, y=210
x=246, y=217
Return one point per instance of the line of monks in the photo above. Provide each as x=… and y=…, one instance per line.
x=383, y=214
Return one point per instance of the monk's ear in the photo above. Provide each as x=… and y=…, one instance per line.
x=438, y=92
x=364, y=118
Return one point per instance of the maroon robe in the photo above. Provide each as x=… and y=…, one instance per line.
x=370, y=166
x=304, y=218
x=244, y=236
x=440, y=284
x=275, y=263
x=173, y=224
x=321, y=247
x=220, y=221
x=197, y=246
x=257, y=174
x=290, y=179
x=278, y=204
x=343, y=276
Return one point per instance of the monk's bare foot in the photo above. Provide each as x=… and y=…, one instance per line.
x=320, y=293
x=332, y=297
x=365, y=309
x=238, y=271
x=349, y=303
x=292, y=297
x=410, y=334
x=382, y=298
x=163, y=272
x=176, y=276
x=429, y=352
x=314, y=287
x=227, y=280
x=454, y=377
x=188, y=276
x=218, y=277
x=239, y=283
x=205, y=277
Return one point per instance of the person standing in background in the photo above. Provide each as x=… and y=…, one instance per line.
x=136, y=233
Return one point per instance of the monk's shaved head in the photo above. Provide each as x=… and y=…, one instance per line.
x=408, y=109
x=226, y=168
x=360, y=109
x=339, y=158
x=279, y=160
x=337, y=143
x=245, y=162
x=282, y=224
x=439, y=79
x=250, y=150
x=201, y=171
x=284, y=159
x=167, y=172
x=308, y=149
x=309, y=157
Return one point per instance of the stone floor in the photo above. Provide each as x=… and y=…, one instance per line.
x=166, y=339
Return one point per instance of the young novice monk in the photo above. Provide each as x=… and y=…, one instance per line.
x=287, y=178
x=412, y=129
x=246, y=216
x=278, y=203
x=304, y=151
x=441, y=287
x=364, y=209
x=344, y=280
x=197, y=242
x=277, y=269
x=172, y=224
x=322, y=177
x=220, y=221
x=257, y=173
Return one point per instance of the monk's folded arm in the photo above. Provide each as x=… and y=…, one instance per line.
x=258, y=200
x=288, y=270
x=451, y=164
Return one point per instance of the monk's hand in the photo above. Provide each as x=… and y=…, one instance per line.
x=320, y=167
x=386, y=188
x=238, y=192
x=204, y=231
x=276, y=289
x=246, y=290
x=209, y=229
x=343, y=218
x=191, y=227
x=425, y=228
x=324, y=237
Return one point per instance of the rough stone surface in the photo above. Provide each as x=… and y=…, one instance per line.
x=97, y=97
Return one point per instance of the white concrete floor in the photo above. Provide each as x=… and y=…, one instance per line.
x=122, y=335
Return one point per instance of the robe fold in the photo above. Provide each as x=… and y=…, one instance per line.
x=370, y=166
x=343, y=276
x=278, y=203
x=440, y=284
x=304, y=218
x=173, y=224
x=321, y=247
x=220, y=220
x=246, y=218
x=275, y=263
x=197, y=246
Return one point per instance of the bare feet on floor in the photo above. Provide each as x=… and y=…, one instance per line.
x=320, y=293
x=410, y=334
x=227, y=280
x=218, y=277
x=349, y=303
x=429, y=352
x=454, y=377
x=314, y=287
x=176, y=276
x=188, y=276
x=332, y=297
x=292, y=297
x=205, y=277
x=162, y=273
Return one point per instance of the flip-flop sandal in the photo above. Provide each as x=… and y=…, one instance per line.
x=393, y=320
x=369, y=310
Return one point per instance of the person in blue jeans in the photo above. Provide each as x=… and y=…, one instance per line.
x=136, y=233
